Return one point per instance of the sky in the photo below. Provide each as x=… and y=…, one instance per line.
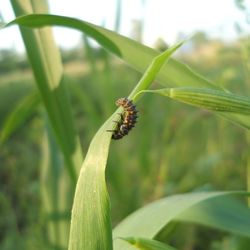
x=162, y=18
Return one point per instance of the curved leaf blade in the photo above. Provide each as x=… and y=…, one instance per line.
x=137, y=55
x=213, y=100
x=40, y=20
x=149, y=220
x=90, y=224
x=90, y=221
x=23, y=110
x=152, y=71
x=46, y=64
x=147, y=244
x=222, y=213
x=133, y=53
x=210, y=99
x=233, y=107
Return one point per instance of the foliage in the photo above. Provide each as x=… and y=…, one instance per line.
x=173, y=150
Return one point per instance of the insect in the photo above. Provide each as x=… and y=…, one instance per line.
x=128, y=118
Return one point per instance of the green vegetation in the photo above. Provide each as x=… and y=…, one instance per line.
x=170, y=184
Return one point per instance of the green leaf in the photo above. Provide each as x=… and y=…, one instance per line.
x=213, y=100
x=224, y=213
x=47, y=67
x=147, y=244
x=40, y=20
x=133, y=53
x=149, y=220
x=54, y=184
x=23, y=110
x=90, y=223
x=233, y=107
x=152, y=71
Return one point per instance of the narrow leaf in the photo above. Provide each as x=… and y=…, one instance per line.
x=210, y=99
x=233, y=107
x=90, y=222
x=54, y=184
x=133, y=53
x=153, y=69
x=47, y=67
x=149, y=220
x=222, y=213
x=147, y=244
x=137, y=55
x=23, y=110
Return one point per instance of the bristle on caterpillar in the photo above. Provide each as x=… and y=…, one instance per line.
x=128, y=118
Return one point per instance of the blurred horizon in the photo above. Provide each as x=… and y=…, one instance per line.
x=179, y=20
x=174, y=149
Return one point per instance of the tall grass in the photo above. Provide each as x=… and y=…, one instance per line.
x=91, y=219
x=47, y=68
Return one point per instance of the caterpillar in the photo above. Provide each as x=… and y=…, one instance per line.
x=128, y=118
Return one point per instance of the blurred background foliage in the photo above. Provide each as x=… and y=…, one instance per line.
x=173, y=149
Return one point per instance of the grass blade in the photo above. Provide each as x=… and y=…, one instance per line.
x=149, y=220
x=19, y=115
x=90, y=223
x=47, y=68
x=54, y=184
x=135, y=54
x=233, y=107
x=213, y=100
x=152, y=71
x=147, y=244
x=223, y=213
x=175, y=74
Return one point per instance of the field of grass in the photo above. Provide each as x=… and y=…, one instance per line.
x=188, y=149
x=174, y=149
